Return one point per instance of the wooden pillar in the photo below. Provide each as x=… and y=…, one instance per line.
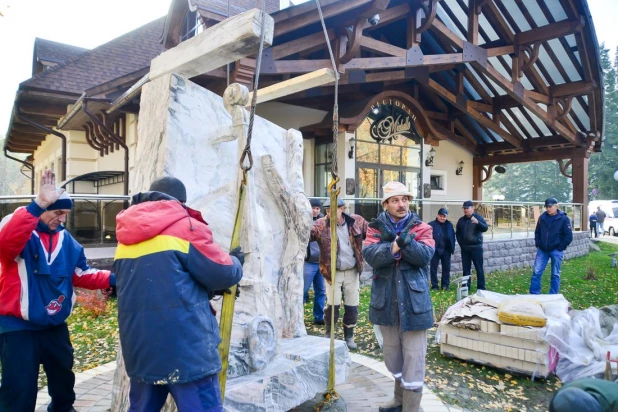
x=580, y=186
x=477, y=182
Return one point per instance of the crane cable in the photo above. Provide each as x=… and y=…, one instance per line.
x=245, y=163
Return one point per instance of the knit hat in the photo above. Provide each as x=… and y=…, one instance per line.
x=170, y=186
x=315, y=202
x=63, y=202
x=395, y=189
x=326, y=203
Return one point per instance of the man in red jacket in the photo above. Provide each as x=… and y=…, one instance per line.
x=40, y=263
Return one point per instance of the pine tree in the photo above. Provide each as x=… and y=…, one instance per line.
x=603, y=165
x=12, y=181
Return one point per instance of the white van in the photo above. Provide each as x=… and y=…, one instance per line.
x=610, y=207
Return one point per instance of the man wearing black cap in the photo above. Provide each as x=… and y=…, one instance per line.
x=311, y=271
x=40, y=264
x=444, y=235
x=470, y=228
x=552, y=236
x=169, y=267
x=351, y=230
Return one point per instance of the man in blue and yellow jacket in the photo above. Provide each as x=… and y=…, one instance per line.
x=168, y=269
x=40, y=264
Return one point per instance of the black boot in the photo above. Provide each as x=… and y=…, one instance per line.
x=348, y=333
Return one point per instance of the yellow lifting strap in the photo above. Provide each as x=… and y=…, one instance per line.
x=227, y=307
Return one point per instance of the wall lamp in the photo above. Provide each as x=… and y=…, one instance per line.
x=430, y=157
x=351, y=151
x=459, y=170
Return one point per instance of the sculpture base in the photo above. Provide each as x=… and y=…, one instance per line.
x=296, y=375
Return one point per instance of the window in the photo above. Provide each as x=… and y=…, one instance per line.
x=323, y=161
x=191, y=25
x=437, y=181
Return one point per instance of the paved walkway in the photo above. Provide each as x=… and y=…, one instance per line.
x=369, y=384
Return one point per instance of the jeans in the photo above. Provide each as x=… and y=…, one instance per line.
x=593, y=227
x=21, y=353
x=445, y=258
x=540, y=262
x=601, y=228
x=313, y=276
x=473, y=256
x=200, y=395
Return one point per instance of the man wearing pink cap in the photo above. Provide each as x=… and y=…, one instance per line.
x=399, y=247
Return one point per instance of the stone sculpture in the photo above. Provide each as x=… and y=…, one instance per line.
x=191, y=133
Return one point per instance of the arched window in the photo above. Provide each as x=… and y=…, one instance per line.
x=191, y=25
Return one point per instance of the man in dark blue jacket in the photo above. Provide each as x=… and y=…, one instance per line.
x=168, y=268
x=470, y=228
x=552, y=236
x=444, y=235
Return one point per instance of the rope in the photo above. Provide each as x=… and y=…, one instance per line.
x=330, y=396
x=246, y=154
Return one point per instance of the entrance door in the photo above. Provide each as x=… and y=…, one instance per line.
x=371, y=179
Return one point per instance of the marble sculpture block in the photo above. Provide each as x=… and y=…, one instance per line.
x=195, y=135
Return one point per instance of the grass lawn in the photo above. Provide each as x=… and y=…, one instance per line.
x=477, y=387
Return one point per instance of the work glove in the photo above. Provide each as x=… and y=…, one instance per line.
x=227, y=291
x=238, y=254
x=406, y=237
x=385, y=233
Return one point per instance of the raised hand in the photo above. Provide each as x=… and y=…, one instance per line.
x=48, y=193
x=384, y=232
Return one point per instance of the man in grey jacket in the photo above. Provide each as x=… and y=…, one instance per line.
x=399, y=247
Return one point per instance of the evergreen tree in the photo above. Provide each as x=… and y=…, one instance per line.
x=12, y=181
x=603, y=165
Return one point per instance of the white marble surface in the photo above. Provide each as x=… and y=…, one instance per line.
x=188, y=132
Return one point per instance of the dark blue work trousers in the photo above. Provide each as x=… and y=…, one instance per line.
x=445, y=258
x=473, y=256
x=21, y=353
x=202, y=395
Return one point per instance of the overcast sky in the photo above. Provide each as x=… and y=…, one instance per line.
x=88, y=24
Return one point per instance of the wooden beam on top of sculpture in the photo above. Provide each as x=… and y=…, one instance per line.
x=226, y=42
x=297, y=84
x=524, y=157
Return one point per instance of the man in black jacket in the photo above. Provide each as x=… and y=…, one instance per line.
x=470, y=228
x=444, y=235
x=601, y=221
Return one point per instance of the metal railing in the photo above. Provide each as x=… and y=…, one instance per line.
x=505, y=219
x=93, y=220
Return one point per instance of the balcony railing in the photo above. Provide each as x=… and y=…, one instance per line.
x=93, y=220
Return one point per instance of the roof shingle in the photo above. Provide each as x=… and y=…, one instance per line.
x=52, y=51
x=123, y=55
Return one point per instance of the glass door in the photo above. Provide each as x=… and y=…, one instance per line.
x=371, y=179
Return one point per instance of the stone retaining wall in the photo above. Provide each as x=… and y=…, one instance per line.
x=507, y=254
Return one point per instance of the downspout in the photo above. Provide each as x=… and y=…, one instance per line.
x=115, y=138
x=28, y=165
x=63, y=170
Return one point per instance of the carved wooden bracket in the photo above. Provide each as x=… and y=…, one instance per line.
x=528, y=55
x=489, y=170
x=563, y=168
x=563, y=106
x=354, y=43
x=430, y=8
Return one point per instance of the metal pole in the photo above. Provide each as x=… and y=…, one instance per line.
x=511, y=221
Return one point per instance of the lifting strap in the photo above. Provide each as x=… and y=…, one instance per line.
x=245, y=163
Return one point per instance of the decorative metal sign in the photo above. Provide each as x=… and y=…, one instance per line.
x=390, y=120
